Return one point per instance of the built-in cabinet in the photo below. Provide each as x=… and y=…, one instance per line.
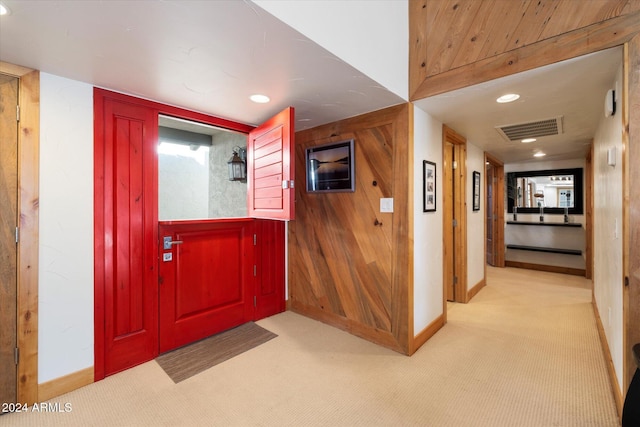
x=545, y=249
x=553, y=246
x=545, y=207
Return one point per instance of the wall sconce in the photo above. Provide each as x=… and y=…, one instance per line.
x=237, y=165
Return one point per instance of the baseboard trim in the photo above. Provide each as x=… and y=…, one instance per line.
x=65, y=384
x=613, y=379
x=476, y=288
x=550, y=268
x=426, y=333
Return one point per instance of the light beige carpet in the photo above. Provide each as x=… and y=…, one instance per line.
x=523, y=352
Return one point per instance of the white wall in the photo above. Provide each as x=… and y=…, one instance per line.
x=65, y=289
x=428, y=295
x=372, y=36
x=607, y=217
x=476, y=244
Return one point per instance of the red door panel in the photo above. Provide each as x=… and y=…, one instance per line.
x=125, y=209
x=207, y=286
x=270, y=261
x=269, y=165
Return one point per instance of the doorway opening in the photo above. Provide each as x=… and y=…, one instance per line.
x=193, y=178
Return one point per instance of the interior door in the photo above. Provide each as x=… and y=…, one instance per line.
x=8, y=246
x=270, y=268
x=206, y=278
x=126, y=278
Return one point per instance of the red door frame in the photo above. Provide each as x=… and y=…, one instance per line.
x=102, y=208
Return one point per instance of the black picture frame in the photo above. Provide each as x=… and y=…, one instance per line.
x=578, y=190
x=331, y=167
x=476, y=190
x=428, y=186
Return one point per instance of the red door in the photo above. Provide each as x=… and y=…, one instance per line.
x=206, y=279
x=270, y=271
x=127, y=276
x=125, y=234
x=270, y=168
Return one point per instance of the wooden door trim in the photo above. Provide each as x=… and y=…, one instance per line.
x=460, y=232
x=9, y=216
x=499, y=203
x=28, y=196
x=588, y=211
x=631, y=206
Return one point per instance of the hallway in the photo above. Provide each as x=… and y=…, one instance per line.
x=524, y=352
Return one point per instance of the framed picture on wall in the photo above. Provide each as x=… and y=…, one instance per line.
x=476, y=190
x=429, y=186
x=331, y=167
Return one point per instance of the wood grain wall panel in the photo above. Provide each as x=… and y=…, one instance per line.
x=344, y=255
x=29, y=205
x=420, y=22
x=457, y=17
x=631, y=6
x=531, y=23
x=500, y=25
x=8, y=224
x=456, y=43
x=480, y=35
x=569, y=14
x=632, y=203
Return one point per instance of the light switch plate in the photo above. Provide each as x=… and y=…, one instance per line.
x=386, y=204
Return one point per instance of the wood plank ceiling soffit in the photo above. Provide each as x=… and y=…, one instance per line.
x=458, y=43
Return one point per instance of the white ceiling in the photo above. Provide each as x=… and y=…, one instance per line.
x=574, y=89
x=209, y=56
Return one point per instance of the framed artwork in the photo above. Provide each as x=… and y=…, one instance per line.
x=331, y=167
x=429, y=186
x=476, y=190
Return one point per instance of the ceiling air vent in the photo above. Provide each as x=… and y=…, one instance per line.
x=531, y=129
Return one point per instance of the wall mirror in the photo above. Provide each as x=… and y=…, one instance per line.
x=553, y=189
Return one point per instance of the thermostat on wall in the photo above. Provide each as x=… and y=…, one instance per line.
x=610, y=103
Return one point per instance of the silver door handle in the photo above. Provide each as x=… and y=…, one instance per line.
x=167, y=242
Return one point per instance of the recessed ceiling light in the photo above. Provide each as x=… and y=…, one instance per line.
x=260, y=99
x=539, y=154
x=528, y=140
x=510, y=97
x=4, y=10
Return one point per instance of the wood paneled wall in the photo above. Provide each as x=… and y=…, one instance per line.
x=631, y=194
x=456, y=43
x=28, y=204
x=349, y=264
